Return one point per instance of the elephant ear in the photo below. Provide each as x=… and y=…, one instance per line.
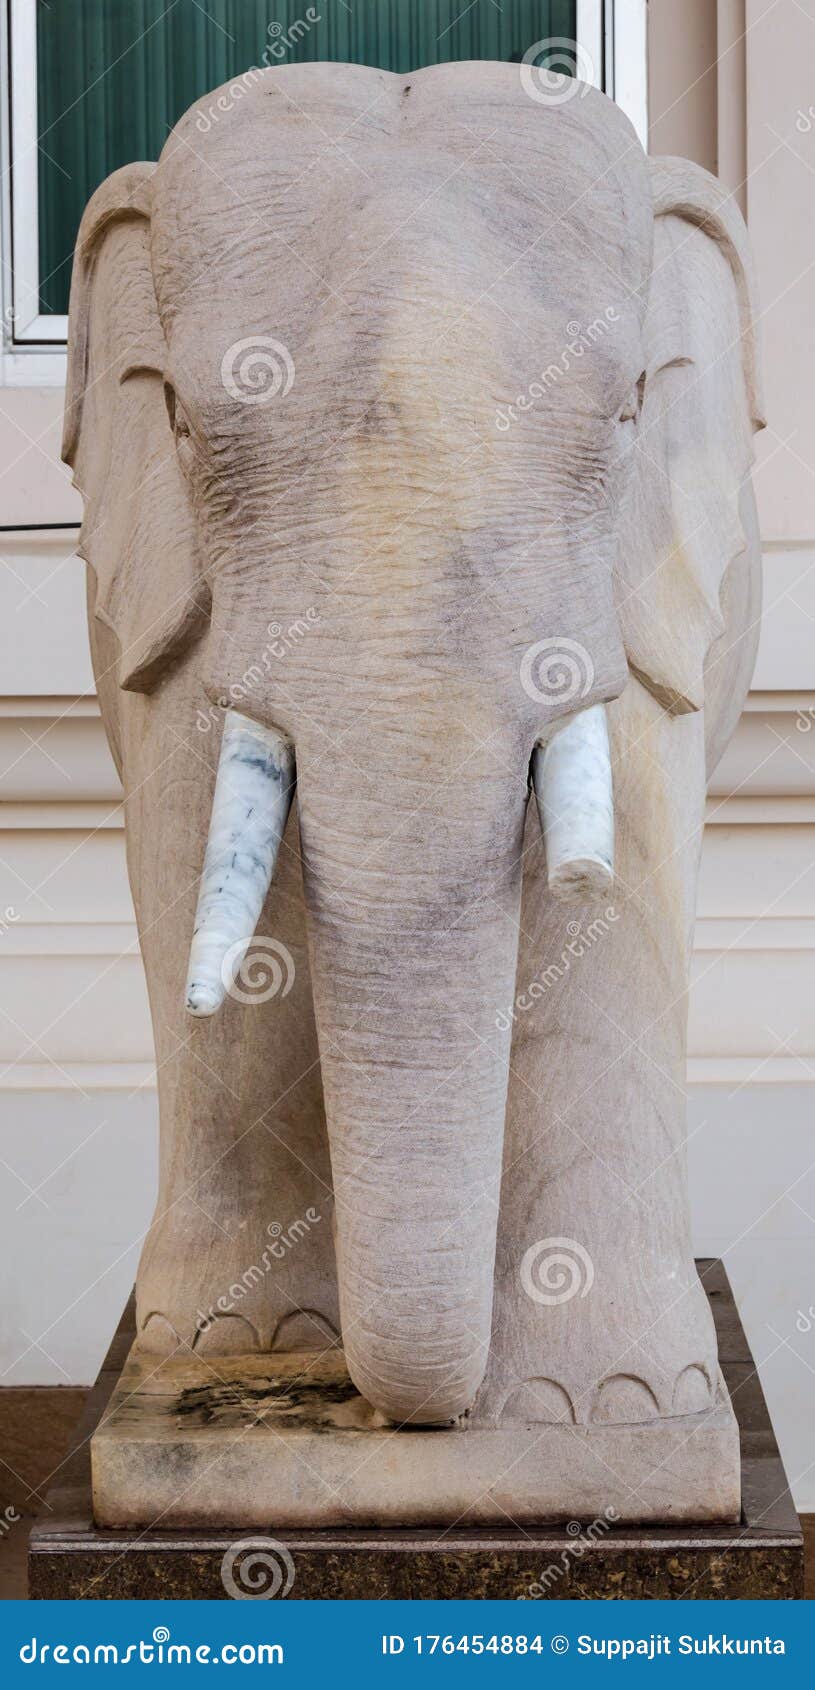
x=681, y=525
x=137, y=531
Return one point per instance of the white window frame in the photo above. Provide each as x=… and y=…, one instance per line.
x=612, y=47
x=611, y=42
x=29, y=327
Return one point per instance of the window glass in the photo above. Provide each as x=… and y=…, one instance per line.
x=114, y=75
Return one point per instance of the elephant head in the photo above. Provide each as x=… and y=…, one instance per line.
x=369, y=360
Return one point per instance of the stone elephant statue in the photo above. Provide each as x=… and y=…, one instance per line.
x=413, y=419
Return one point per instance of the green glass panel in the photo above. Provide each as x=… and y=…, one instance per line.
x=114, y=75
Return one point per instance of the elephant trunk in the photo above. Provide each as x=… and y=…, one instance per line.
x=413, y=916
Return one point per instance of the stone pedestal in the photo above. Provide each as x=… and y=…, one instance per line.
x=185, y=1464
x=247, y=1439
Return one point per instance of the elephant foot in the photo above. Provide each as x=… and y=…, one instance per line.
x=599, y=1360
x=624, y=1399
x=224, y=1335
x=241, y=1289
x=621, y=1399
x=233, y=1335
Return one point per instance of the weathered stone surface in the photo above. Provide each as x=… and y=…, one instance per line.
x=249, y=1440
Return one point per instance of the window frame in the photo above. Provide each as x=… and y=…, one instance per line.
x=29, y=327
x=611, y=36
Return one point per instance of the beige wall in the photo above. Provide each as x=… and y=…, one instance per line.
x=78, y=1131
x=682, y=79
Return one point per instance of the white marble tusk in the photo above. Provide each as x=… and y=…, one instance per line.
x=254, y=788
x=571, y=776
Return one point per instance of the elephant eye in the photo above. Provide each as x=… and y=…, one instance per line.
x=178, y=421
x=179, y=425
x=169, y=400
x=633, y=405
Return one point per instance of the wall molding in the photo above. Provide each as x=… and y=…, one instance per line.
x=53, y=752
x=86, y=1078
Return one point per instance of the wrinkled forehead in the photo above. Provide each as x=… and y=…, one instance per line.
x=304, y=176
